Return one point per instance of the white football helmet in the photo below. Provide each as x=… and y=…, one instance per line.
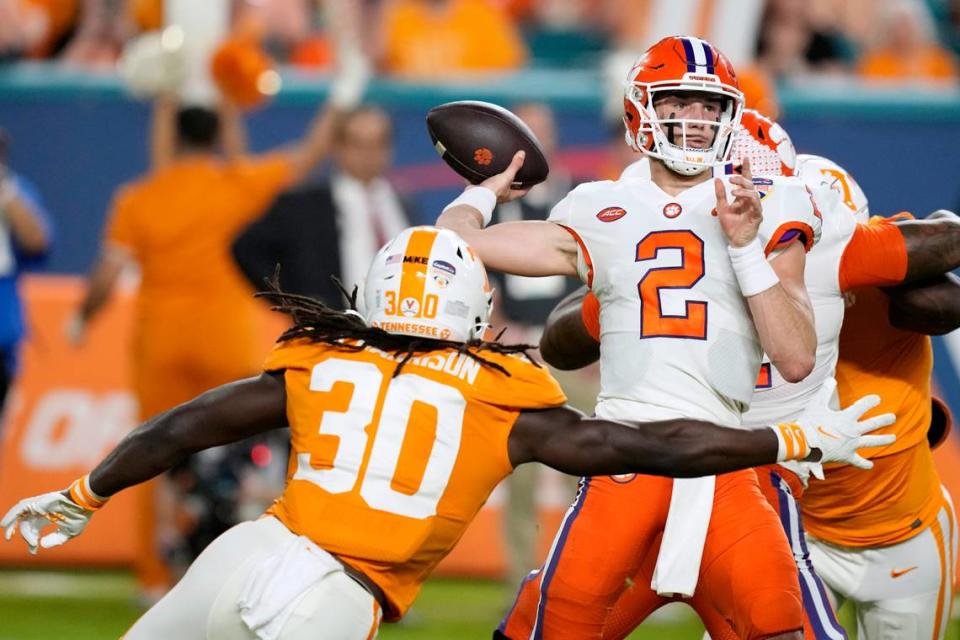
x=832, y=183
x=428, y=283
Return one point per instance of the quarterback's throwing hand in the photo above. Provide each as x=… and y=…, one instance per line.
x=839, y=434
x=740, y=219
x=34, y=514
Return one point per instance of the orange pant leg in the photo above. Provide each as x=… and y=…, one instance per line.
x=747, y=586
x=598, y=548
x=783, y=490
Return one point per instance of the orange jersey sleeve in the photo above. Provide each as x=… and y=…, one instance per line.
x=386, y=471
x=262, y=178
x=590, y=312
x=875, y=256
x=121, y=226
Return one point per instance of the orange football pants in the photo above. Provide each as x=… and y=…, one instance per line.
x=782, y=489
x=603, y=558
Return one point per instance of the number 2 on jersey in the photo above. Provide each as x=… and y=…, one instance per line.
x=653, y=322
x=379, y=486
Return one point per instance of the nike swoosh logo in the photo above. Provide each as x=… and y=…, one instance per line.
x=896, y=574
x=827, y=433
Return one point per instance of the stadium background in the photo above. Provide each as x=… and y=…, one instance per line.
x=71, y=406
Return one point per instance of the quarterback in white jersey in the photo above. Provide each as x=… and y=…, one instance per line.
x=850, y=254
x=697, y=277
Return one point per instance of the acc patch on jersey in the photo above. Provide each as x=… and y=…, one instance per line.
x=611, y=214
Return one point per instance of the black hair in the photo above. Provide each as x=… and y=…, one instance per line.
x=315, y=321
x=198, y=127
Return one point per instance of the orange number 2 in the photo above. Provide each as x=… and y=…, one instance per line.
x=653, y=322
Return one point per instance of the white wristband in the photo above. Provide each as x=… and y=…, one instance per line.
x=754, y=273
x=791, y=442
x=480, y=198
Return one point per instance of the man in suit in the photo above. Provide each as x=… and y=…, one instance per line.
x=334, y=226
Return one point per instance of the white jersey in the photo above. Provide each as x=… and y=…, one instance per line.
x=677, y=339
x=775, y=399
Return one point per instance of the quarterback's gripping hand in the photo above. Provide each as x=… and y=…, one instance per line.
x=34, y=514
x=839, y=434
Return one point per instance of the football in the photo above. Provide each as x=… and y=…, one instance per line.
x=478, y=140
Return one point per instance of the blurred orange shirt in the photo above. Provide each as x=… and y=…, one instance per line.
x=462, y=35
x=932, y=63
x=387, y=472
x=193, y=302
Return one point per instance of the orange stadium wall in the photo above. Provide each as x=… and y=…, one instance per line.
x=72, y=405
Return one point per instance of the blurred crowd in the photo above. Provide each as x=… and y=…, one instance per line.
x=879, y=40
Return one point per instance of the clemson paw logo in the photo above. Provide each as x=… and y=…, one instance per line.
x=623, y=478
x=672, y=210
x=483, y=156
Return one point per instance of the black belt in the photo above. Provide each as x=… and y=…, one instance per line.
x=361, y=578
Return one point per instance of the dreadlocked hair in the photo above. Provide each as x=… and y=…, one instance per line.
x=315, y=321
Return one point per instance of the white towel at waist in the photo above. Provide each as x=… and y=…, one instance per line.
x=272, y=588
x=678, y=564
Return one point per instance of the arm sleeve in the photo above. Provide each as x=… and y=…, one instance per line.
x=264, y=177
x=562, y=214
x=875, y=256
x=789, y=215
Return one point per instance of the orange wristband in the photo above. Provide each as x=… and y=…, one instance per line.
x=83, y=495
x=792, y=442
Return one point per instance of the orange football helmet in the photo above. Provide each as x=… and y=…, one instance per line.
x=681, y=64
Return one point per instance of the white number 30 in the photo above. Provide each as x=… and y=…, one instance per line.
x=351, y=427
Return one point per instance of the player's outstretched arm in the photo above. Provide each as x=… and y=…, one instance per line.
x=568, y=441
x=932, y=244
x=931, y=307
x=220, y=416
x=566, y=344
x=526, y=248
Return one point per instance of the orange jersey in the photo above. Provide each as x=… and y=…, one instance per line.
x=387, y=472
x=180, y=223
x=901, y=495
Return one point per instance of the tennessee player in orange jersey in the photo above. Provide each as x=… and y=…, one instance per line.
x=900, y=514
x=402, y=422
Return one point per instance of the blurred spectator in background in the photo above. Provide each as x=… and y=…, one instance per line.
x=24, y=240
x=36, y=28
x=104, y=27
x=431, y=39
x=906, y=50
x=335, y=226
x=521, y=306
x=791, y=43
x=196, y=320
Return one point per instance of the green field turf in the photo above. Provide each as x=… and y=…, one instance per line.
x=96, y=605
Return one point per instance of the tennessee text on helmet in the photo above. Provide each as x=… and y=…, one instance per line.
x=428, y=283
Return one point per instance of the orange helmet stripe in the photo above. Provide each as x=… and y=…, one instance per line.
x=413, y=276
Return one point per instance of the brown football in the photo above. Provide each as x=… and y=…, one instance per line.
x=478, y=139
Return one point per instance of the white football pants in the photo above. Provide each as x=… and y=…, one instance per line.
x=901, y=591
x=203, y=605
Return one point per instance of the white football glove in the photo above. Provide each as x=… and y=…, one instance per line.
x=839, y=434
x=36, y=513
